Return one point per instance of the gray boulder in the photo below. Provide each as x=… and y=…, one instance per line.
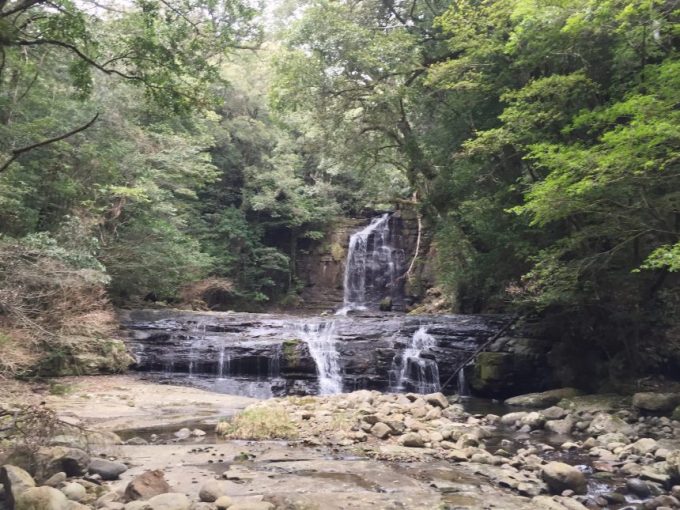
x=74, y=491
x=604, y=423
x=41, y=498
x=437, y=399
x=561, y=477
x=107, y=469
x=212, y=490
x=543, y=399
x=561, y=427
x=554, y=413
x=16, y=481
x=656, y=402
x=412, y=440
x=381, y=430
x=169, y=501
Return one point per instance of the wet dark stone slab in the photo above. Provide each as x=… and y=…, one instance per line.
x=271, y=347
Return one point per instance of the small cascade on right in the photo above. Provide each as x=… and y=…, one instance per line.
x=463, y=387
x=373, y=267
x=321, y=341
x=414, y=371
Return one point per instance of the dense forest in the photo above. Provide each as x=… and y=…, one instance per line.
x=153, y=151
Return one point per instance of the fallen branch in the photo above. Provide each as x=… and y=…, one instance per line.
x=18, y=152
x=480, y=349
x=408, y=272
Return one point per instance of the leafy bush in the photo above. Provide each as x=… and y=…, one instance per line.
x=259, y=423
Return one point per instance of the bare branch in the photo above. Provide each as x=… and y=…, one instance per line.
x=21, y=150
x=77, y=51
x=23, y=6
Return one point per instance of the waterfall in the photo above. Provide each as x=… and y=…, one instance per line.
x=321, y=341
x=463, y=388
x=372, y=266
x=223, y=362
x=413, y=371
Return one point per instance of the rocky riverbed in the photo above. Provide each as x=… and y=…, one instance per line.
x=161, y=447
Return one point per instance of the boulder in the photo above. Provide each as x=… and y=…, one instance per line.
x=613, y=437
x=604, y=423
x=534, y=420
x=107, y=469
x=136, y=505
x=437, y=399
x=381, y=430
x=676, y=414
x=638, y=487
x=169, y=501
x=561, y=477
x=252, y=505
x=543, y=399
x=50, y=460
x=644, y=446
x=412, y=440
x=74, y=491
x=673, y=465
x=41, y=498
x=659, y=502
x=511, y=419
x=147, y=485
x=561, y=427
x=107, y=499
x=56, y=479
x=557, y=503
x=223, y=502
x=212, y=490
x=656, y=402
x=554, y=413
x=16, y=481
x=183, y=433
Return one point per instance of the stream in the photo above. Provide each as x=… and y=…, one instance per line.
x=358, y=347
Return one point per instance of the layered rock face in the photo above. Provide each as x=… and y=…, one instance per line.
x=322, y=265
x=289, y=354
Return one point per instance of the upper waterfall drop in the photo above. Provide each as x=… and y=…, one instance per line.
x=373, y=267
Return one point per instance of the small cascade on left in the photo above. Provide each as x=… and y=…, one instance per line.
x=416, y=369
x=321, y=340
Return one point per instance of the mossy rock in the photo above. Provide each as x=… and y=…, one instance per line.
x=491, y=369
x=606, y=402
x=92, y=357
x=291, y=352
x=337, y=252
x=676, y=414
x=386, y=304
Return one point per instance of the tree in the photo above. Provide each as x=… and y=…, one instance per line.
x=171, y=50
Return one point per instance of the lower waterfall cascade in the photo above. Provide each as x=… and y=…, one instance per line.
x=413, y=369
x=320, y=339
x=275, y=355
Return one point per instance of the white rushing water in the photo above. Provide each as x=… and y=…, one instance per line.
x=463, y=387
x=414, y=372
x=321, y=340
x=370, y=257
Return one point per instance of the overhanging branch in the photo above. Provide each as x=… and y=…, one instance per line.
x=21, y=150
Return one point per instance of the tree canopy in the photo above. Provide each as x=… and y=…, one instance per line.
x=177, y=141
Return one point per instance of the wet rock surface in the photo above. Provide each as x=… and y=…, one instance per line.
x=267, y=355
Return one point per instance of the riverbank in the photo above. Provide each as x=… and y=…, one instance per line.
x=362, y=450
